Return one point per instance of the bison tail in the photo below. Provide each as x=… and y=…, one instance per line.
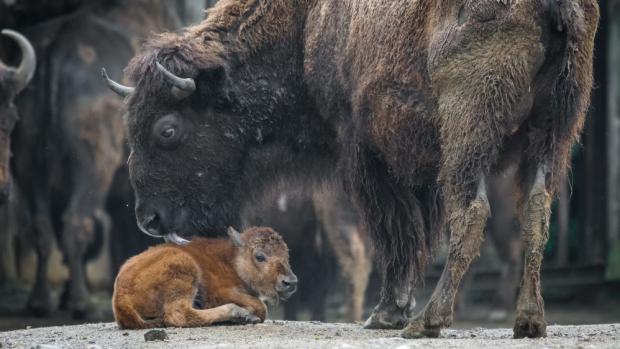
x=576, y=23
x=570, y=51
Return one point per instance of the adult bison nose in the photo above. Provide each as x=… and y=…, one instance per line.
x=151, y=225
x=152, y=220
x=157, y=222
x=287, y=285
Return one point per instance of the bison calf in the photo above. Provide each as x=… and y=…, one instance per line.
x=207, y=281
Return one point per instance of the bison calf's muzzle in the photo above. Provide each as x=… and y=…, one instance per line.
x=287, y=285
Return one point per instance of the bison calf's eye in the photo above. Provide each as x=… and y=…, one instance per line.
x=260, y=257
x=168, y=131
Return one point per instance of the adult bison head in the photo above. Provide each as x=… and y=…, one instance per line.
x=198, y=142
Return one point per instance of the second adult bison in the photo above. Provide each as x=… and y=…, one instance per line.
x=416, y=103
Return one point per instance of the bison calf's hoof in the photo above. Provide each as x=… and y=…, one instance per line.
x=242, y=316
x=530, y=326
x=417, y=329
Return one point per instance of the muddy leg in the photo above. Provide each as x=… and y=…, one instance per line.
x=530, y=316
x=461, y=299
x=466, y=235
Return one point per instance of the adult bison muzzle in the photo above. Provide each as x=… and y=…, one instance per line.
x=415, y=103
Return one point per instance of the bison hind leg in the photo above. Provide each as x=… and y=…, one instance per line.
x=536, y=211
x=466, y=235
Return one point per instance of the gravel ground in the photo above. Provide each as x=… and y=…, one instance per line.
x=285, y=334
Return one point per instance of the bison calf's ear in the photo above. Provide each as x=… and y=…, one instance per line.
x=235, y=237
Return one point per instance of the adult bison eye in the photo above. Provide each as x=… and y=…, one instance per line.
x=260, y=257
x=167, y=131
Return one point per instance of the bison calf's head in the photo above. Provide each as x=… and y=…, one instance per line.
x=262, y=262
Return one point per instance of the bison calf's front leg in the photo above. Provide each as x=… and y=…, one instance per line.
x=530, y=319
x=256, y=309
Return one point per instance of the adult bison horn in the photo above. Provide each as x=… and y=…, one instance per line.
x=181, y=87
x=25, y=71
x=119, y=89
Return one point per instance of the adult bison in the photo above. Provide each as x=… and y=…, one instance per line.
x=12, y=81
x=66, y=147
x=416, y=103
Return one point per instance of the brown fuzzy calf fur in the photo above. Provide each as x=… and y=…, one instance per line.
x=230, y=277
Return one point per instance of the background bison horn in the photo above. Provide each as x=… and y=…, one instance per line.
x=181, y=87
x=119, y=89
x=25, y=71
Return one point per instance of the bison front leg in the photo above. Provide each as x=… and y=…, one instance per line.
x=466, y=235
x=530, y=319
x=42, y=233
x=79, y=230
x=396, y=217
x=395, y=305
x=97, y=143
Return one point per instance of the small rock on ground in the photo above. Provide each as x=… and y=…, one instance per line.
x=155, y=335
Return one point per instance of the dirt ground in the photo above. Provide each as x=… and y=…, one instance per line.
x=284, y=334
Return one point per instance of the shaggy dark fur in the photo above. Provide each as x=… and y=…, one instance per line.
x=414, y=102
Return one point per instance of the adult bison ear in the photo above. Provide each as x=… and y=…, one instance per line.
x=235, y=237
x=214, y=84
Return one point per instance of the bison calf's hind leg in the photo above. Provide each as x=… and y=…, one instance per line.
x=530, y=319
x=466, y=235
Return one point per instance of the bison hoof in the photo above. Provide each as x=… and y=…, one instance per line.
x=417, y=329
x=530, y=326
x=252, y=319
x=39, y=307
x=385, y=320
x=85, y=310
x=243, y=316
